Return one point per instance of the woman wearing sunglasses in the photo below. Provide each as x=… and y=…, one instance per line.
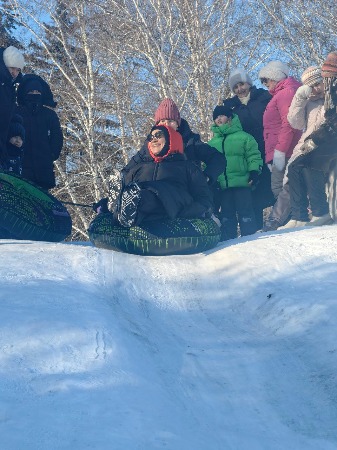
x=163, y=183
x=279, y=137
x=197, y=151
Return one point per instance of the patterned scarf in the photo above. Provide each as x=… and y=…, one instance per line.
x=330, y=95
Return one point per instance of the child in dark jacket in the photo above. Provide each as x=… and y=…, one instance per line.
x=14, y=145
x=244, y=163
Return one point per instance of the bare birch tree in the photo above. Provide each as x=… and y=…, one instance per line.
x=73, y=75
x=303, y=31
x=110, y=63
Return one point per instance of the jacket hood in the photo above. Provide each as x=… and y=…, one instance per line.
x=227, y=128
x=289, y=82
x=186, y=132
x=175, y=142
x=46, y=94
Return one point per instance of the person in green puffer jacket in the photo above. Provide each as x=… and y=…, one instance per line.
x=233, y=198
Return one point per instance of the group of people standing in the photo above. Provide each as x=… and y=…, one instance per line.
x=268, y=148
x=302, y=197
x=31, y=138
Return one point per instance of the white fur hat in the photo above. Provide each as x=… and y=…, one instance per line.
x=238, y=76
x=275, y=70
x=13, y=58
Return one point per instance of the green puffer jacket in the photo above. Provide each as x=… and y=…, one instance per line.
x=241, y=152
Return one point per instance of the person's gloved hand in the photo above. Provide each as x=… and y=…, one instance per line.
x=209, y=179
x=279, y=160
x=308, y=146
x=101, y=206
x=208, y=214
x=253, y=178
x=303, y=92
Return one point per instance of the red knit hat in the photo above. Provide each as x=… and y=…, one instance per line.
x=329, y=68
x=167, y=110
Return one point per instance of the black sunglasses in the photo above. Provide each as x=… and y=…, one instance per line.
x=264, y=80
x=157, y=135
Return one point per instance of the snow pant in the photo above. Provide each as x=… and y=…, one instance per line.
x=149, y=207
x=262, y=195
x=306, y=184
x=236, y=207
x=277, y=179
x=281, y=209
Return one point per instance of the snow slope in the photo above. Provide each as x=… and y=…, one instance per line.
x=232, y=349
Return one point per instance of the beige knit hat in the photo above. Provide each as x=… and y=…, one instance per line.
x=311, y=76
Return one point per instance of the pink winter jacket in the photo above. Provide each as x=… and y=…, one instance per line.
x=277, y=132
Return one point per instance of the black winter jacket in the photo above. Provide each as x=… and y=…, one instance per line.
x=251, y=115
x=7, y=103
x=179, y=184
x=199, y=152
x=44, y=138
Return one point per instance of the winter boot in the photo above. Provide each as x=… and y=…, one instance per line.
x=229, y=229
x=319, y=221
x=293, y=224
x=271, y=225
x=130, y=198
x=247, y=226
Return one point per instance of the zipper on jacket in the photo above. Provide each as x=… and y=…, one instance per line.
x=154, y=176
x=223, y=152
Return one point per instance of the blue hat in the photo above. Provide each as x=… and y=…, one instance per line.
x=222, y=111
x=16, y=128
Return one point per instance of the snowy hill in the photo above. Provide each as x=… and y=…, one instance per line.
x=233, y=349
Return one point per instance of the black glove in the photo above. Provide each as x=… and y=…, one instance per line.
x=253, y=178
x=308, y=146
x=101, y=206
x=208, y=214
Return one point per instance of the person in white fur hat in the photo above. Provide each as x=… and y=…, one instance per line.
x=249, y=104
x=279, y=137
x=11, y=64
x=14, y=61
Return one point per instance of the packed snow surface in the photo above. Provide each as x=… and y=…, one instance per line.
x=232, y=349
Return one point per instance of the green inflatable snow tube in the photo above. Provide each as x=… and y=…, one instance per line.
x=28, y=212
x=157, y=237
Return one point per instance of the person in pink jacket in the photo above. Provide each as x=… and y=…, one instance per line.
x=280, y=138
